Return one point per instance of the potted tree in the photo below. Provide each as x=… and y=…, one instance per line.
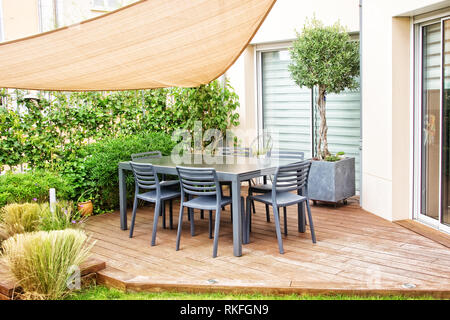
x=325, y=59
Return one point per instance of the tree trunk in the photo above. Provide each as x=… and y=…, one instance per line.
x=322, y=143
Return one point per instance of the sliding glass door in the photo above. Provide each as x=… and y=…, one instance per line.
x=434, y=168
x=445, y=175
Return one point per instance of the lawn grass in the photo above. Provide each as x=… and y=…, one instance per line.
x=103, y=293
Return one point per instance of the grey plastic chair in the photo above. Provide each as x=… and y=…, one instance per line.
x=265, y=187
x=165, y=183
x=238, y=152
x=154, y=155
x=292, y=177
x=146, y=178
x=201, y=183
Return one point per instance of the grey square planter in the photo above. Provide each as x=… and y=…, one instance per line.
x=332, y=181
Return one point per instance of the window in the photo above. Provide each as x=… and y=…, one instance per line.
x=106, y=5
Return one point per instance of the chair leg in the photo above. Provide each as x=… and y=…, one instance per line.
x=311, y=225
x=171, y=214
x=133, y=218
x=163, y=213
x=155, y=221
x=278, y=228
x=267, y=213
x=216, y=231
x=191, y=213
x=180, y=224
x=285, y=221
x=253, y=206
x=202, y=214
x=210, y=224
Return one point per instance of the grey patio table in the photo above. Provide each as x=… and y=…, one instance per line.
x=229, y=168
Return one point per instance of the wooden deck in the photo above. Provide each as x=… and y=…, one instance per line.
x=356, y=252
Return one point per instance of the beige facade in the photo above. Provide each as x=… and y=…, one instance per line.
x=389, y=85
x=388, y=90
x=21, y=18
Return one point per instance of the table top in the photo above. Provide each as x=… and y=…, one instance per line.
x=222, y=164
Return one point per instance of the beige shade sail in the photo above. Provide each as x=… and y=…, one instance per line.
x=149, y=44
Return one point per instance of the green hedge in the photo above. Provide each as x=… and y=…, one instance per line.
x=32, y=186
x=93, y=169
x=45, y=132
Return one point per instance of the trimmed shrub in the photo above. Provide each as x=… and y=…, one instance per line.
x=43, y=262
x=92, y=170
x=32, y=186
x=20, y=218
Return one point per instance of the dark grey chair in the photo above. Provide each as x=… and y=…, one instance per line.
x=238, y=152
x=292, y=177
x=164, y=183
x=146, y=178
x=203, y=185
x=154, y=155
x=265, y=187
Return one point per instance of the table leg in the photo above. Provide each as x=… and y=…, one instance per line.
x=123, y=199
x=237, y=222
x=301, y=215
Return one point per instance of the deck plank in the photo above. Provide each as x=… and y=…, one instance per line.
x=356, y=250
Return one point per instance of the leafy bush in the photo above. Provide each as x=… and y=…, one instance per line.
x=93, y=169
x=63, y=216
x=47, y=131
x=32, y=186
x=20, y=218
x=43, y=262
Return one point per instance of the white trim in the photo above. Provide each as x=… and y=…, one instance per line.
x=434, y=15
x=412, y=103
x=417, y=85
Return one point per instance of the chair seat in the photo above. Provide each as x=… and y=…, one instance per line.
x=166, y=194
x=206, y=202
x=170, y=183
x=261, y=188
x=283, y=198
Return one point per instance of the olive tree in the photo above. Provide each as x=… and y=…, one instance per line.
x=325, y=58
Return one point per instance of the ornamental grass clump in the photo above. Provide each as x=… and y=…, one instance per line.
x=44, y=262
x=19, y=218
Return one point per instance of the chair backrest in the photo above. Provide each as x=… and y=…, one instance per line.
x=291, y=177
x=287, y=154
x=234, y=151
x=199, y=181
x=145, y=176
x=146, y=155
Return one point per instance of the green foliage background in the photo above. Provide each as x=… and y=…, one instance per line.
x=74, y=141
x=46, y=133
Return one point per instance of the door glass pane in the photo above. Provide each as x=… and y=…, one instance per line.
x=431, y=83
x=445, y=217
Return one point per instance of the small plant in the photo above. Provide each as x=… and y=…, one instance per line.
x=20, y=218
x=63, y=216
x=334, y=158
x=43, y=262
